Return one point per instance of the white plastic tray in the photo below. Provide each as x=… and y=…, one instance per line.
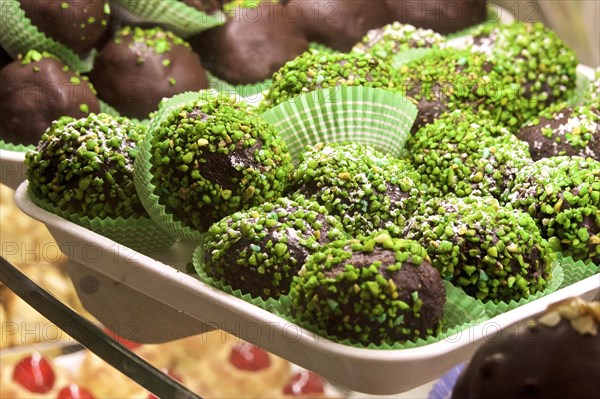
x=152, y=299
x=12, y=168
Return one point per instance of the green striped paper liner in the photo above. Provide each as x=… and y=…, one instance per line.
x=18, y=35
x=270, y=304
x=175, y=15
x=461, y=312
x=579, y=94
x=8, y=146
x=138, y=233
x=106, y=108
x=142, y=176
x=321, y=47
x=409, y=55
x=575, y=271
x=252, y=92
x=364, y=115
x=494, y=309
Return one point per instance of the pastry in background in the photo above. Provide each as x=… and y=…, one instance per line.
x=563, y=130
x=23, y=239
x=555, y=356
x=78, y=24
x=251, y=45
x=37, y=89
x=442, y=16
x=138, y=67
x=339, y=24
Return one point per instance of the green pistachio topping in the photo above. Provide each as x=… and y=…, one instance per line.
x=159, y=40
x=493, y=252
x=450, y=79
x=384, y=43
x=567, y=131
x=366, y=189
x=533, y=57
x=35, y=56
x=213, y=157
x=592, y=94
x=466, y=154
x=357, y=290
x=314, y=70
x=85, y=166
x=563, y=195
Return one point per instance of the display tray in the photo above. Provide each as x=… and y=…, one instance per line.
x=12, y=168
x=151, y=298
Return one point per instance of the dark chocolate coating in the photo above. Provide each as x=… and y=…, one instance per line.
x=133, y=78
x=251, y=45
x=256, y=283
x=442, y=16
x=339, y=24
x=542, y=146
x=423, y=278
x=429, y=109
x=541, y=362
x=5, y=58
x=78, y=24
x=30, y=101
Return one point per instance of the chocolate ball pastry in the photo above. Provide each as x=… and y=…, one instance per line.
x=251, y=45
x=556, y=356
x=467, y=154
x=451, y=79
x=317, y=70
x=390, y=40
x=260, y=250
x=563, y=195
x=213, y=157
x=363, y=187
x=563, y=130
x=443, y=16
x=78, y=24
x=36, y=90
x=492, y=252
x=339, y=24
x=138, y=67
x=85, y=166
x=534, y=58
x=374, y=290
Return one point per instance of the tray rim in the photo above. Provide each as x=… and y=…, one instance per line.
x=448, y=351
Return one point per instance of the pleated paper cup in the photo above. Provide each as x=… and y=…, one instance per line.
x=138, y=233
x=143, y=178
x=8, y=146
x=375, y=117
x=18, y=35
x=461, y=312
x=581, y=88
x=409, y=55
x=575, y=271
x=554, y=283
x=175, y=15
x=106, y=108
x=251, y=93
